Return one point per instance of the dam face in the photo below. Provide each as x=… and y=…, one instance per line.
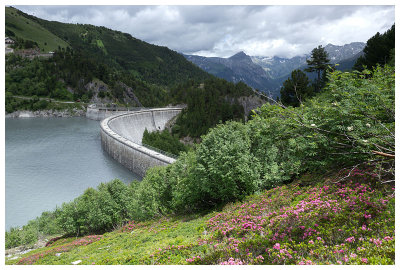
x=121, y=137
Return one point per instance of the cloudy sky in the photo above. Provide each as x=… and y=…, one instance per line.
x=284, y=31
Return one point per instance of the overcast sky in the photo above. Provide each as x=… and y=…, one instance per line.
x=284, y=31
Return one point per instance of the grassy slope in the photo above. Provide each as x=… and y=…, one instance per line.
x=29, y=30
x=347, y=223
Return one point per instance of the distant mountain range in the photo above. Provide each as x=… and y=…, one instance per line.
x=268, y=73
x=238, y=67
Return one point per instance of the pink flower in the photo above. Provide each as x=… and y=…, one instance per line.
x=350, y=239
x=388, y=238
x=352, y=255
x=364, y=260
x=309, y=262
x=311, y=242
x=277, y=246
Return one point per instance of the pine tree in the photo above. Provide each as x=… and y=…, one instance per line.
x=379, y=50
x=296, y=89
x=319, y=62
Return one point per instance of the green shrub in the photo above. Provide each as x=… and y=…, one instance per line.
x=13, y=238
x=40, y=105
x=164, y=141
x=96, y=211
x=185, y=194
x=340, y=127
x=225, y=169
x=152, y=196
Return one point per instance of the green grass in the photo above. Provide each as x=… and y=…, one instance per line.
x=29, y=30
x=136, y=246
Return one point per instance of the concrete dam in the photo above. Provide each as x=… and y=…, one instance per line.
x=121, y=137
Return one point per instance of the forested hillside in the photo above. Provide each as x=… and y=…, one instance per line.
x=96, y=63
x=121, y=51
x=85, y=53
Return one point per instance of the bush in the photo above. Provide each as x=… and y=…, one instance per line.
x=96, y=211
x=40, y=105
x=341, y=127
x=152, y=196
x=225, y=169
x=277, y=147
x=29, y=233
x=185, y=194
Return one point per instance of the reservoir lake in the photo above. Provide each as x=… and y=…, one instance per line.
x=49, y=161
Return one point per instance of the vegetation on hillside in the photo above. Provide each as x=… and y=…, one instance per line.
x=323, y=223
x=27, y=33
x=380, y=50
x=348, y=126
x=318, y=63
x=156, y=75
x=208, y=103
x=296, y=89
x=122, y=52
x=163, y=140
x=93, y=53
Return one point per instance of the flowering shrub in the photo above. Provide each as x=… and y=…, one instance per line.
x=343, y=223
x=349, y=223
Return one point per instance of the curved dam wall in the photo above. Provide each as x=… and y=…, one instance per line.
x=96, y=114
x=121, y=137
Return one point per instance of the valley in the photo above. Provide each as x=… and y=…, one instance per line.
x=258, y=158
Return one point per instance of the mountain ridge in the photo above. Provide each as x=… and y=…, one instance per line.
x=274, y=69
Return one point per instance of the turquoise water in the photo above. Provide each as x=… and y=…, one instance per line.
x=51, y=161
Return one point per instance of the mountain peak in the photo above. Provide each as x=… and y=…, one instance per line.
x=240, y=55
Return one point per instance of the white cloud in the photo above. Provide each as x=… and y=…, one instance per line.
x=284, y=31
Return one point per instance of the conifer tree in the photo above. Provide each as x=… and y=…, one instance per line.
x=295, y=89
x=318, y=63
x=379, y=50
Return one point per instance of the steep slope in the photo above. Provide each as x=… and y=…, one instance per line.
x=121, y=51
x=238, y=67
x=350, y=223
x=19, y=26
x=276, y=67
x=341, y=53
x=123, y=66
